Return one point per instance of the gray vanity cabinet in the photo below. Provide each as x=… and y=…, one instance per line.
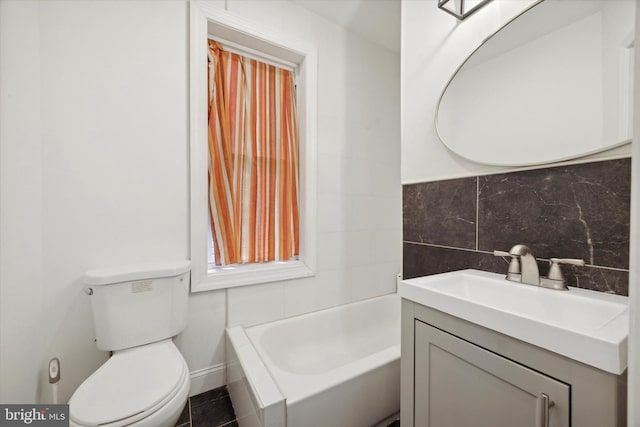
x=462, y=384
x=458, y=374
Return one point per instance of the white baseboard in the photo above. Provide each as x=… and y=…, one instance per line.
x=208, y=378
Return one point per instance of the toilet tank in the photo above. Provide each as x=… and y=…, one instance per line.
x=138, y=304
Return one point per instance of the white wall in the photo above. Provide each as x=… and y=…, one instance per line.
x=618, y=19
x=434, y=44
x=94, y=171
x=633, y=411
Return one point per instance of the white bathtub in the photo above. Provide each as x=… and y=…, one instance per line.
x=335, y=367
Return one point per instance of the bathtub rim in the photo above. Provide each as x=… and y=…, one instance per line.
x=267, y=398
x=323, y=311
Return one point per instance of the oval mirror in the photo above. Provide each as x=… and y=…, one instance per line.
x=553, y=84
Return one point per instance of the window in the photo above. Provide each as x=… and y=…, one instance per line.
x=290, y=254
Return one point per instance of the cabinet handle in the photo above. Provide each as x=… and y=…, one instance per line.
x=544, y=404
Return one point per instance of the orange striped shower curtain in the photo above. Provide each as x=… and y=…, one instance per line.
x=253, y=160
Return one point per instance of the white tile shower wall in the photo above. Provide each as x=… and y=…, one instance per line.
x=251, y=305
x=327, y=290
x=359, y=196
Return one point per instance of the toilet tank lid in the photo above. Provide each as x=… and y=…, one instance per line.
x=127, y=273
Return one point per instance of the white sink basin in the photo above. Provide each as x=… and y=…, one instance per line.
x=587, y=326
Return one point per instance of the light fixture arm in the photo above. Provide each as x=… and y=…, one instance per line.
x=459, y=9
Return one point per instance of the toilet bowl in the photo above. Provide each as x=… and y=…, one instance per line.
x=145, y=383
x=143, y=386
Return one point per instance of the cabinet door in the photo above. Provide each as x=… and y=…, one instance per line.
x=459, y=384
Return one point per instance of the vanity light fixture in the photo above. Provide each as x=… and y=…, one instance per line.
x=461, y=8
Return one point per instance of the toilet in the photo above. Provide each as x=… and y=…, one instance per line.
x=136, y=311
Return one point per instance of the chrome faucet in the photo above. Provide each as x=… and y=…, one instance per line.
x=523, y=268
x=529, y=273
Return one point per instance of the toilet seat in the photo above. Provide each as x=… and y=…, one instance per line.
x=132, y=385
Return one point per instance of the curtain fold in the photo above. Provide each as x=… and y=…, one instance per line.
x=253, y=160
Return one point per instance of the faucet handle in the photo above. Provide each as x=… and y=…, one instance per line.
x=513, y=272
x=555, y=272
x=503, y=253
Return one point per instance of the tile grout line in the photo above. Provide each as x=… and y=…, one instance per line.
x=432, y=245
x=446, y=247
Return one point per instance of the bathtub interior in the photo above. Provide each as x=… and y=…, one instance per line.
x=325, y=340
x=306, y=367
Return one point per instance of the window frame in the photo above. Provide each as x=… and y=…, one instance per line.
x=207, y=19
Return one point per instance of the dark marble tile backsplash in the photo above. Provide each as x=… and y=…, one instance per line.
x=425, y=260
x=576, y=211
x=441, y=213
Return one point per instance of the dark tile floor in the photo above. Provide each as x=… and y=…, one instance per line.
x=214, y=409
x=209, y=409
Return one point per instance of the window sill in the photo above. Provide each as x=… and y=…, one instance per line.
x=252, y=275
